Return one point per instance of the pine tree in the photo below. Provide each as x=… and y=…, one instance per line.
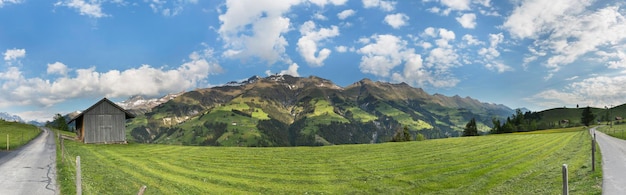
x=587, y=116
x=470, y=128
x=402, y=135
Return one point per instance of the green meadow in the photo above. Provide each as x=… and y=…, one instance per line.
x=498, y=164
x=18, y=134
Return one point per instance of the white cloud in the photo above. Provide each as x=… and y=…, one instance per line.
x=386, y=52
x=6, y=2
x=14, y=54
x=597, y=91
x=534, y=17
x=341, y=49
x=617, y=61
x=291, y=70
x=382, y=4
x=486, y=3
x=396, y=20
x=471, y=40
x=169, y=8
x=345, y=14
x=92, y=9
x=566, y=30
x=57, y=68
x=320, y=16
x=491, y=53
x=430, y=31
x=145, y=80
x=498, y=67
x=256, y=29
x=322, y=3
x=307, y=44
x=456, y=4
x=467, y=20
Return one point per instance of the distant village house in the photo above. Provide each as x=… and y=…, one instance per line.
x=104, y=122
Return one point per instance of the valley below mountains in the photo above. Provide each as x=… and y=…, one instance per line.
x=281, y=110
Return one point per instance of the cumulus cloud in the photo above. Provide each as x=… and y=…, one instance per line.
x=145, y=80
x=444, y=56
x=345, y=14
x=396, y=20
x=169, y=8
x=291, y=70
x=491, y=53
x=14, y=54
x=383, y=53
x=456, y=4
x=322, y=3
x=57, y=68
x=382, y=4
x=92, y=9
x=467, y=20
x=6, y=2
x=597, y=91
x=255, y=29
x=471, y=40
x=566, y=30
x=341, y=49
x=307, y=44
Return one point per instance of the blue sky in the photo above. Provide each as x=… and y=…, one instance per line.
x=62, y=56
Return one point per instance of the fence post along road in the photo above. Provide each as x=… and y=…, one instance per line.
x=613, y=163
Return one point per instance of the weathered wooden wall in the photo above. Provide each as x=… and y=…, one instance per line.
x=104, y=124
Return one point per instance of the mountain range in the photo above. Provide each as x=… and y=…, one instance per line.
x=281, y=110
x=10, y=117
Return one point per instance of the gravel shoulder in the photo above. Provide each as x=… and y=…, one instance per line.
x=613, y=163
x=30, y=169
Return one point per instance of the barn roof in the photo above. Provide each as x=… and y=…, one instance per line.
x=127, y=114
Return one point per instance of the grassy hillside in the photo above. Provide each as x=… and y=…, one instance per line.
x=552, y=118
x=499, y=164
x=282, y=110
x=19, y=134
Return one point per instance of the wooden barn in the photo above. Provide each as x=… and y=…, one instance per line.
x=104, y=122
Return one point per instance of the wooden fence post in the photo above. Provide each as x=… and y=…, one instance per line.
x=565, y=187
x=593, y=154
x=79, y=190
x=142, y=190
x=7, y=142
x=62, y=151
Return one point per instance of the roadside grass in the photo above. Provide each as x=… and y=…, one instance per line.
x=617, y=131
x=19, y=134
x=502, y=164
x=66, y=169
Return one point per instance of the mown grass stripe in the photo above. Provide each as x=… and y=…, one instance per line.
x=481, y=165
x=184, y=184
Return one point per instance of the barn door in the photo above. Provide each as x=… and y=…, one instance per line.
x=105, y=128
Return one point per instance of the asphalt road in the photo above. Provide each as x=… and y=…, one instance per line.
x=30, y=169
x=613, y=163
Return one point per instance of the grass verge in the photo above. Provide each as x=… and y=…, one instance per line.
x=617, y=131
x=501, y=164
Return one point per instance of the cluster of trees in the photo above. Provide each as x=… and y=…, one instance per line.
x=403, y=135
x=518, y=122
x=59, y=123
